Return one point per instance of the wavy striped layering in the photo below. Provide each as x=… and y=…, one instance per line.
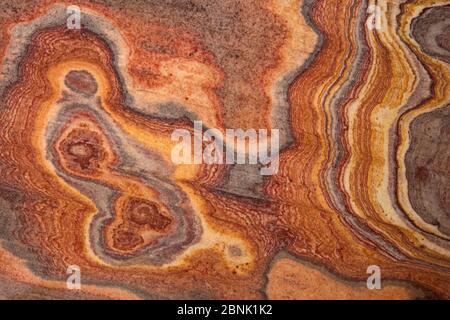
x=86, y=118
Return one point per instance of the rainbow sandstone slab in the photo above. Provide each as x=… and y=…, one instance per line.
x=359, y=91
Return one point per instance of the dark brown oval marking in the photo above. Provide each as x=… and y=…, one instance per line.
x=144, y=212
x=82, y=82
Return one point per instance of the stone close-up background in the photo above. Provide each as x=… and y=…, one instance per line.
x=94, y=206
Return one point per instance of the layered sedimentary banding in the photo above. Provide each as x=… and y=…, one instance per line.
x=85, y=149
